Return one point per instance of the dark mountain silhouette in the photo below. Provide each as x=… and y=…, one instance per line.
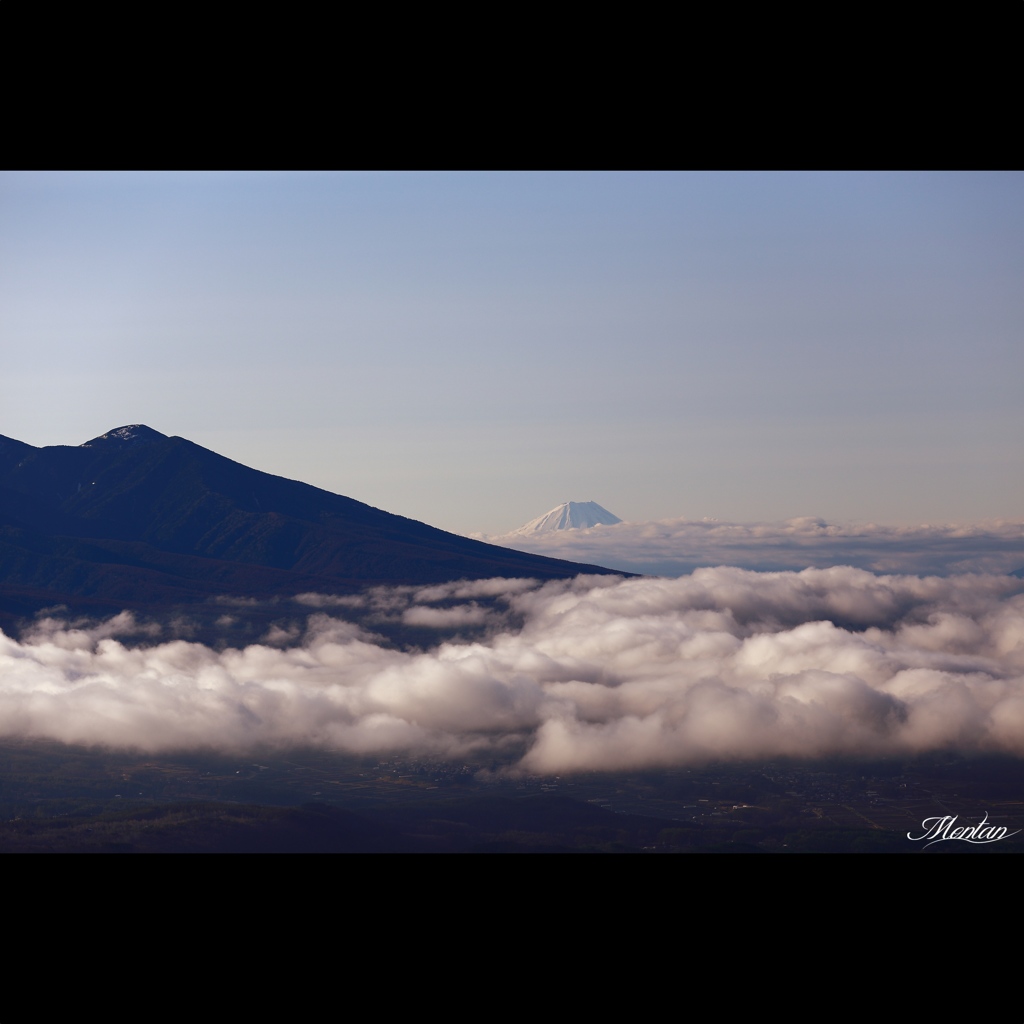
x=135, y=518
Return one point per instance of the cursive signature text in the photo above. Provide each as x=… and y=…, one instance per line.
x=938, y=829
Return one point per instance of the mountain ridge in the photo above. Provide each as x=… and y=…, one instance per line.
x=139, y=517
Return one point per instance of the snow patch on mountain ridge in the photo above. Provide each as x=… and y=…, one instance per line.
x=133, y=433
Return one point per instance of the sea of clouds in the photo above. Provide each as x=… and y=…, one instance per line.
x=670, y=547
x=592, y=673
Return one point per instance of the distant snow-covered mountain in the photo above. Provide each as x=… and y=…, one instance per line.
x=570, y=515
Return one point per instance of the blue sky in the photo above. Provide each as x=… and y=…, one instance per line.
x=471, y=349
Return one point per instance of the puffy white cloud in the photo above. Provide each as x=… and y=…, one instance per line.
x=590, y=673
x=444, y=618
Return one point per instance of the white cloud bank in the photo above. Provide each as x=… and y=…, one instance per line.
x=670, y=547
x=591, y=673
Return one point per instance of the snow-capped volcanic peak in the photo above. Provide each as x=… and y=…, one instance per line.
x=570, y=515
x=134, y=433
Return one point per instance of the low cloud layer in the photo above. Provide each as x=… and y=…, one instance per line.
x=591, y=673
x=670, y=547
